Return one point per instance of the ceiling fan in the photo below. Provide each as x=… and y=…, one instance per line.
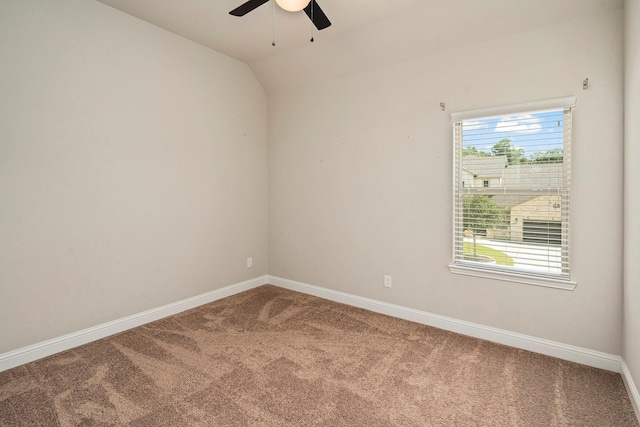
x=310, y=7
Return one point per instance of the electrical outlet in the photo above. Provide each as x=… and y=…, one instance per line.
x=388, y=282
x=249, y=262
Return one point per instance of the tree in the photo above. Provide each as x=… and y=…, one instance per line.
x=515, y=156
x=480, y=213
x=554, y=155
x=472, y=150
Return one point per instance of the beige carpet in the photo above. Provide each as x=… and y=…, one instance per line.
x=272, y=357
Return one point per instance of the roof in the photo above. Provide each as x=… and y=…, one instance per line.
x=528, y=175
x=485, y=167
x=534, y=175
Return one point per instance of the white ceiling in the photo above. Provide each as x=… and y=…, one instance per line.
x=364, y=34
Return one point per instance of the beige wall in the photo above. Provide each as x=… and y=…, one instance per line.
x=132, y=169
x=631, y=352
x=361, y=168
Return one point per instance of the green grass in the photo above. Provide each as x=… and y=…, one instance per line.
x=500, y=257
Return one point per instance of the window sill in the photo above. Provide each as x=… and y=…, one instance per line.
x=548, y=282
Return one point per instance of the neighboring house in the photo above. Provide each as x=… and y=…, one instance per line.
x=532, y=217
x=537, y=220
x=483, y=171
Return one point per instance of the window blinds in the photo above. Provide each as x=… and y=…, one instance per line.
x=512, y=181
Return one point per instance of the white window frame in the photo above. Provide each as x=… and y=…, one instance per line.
x=458, y=266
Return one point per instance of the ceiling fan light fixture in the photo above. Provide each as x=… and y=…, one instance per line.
x=293, y=5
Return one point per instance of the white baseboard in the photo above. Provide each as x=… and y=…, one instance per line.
x=634, y=394
x=551, y=348
x=568, y=352
x=37, y=351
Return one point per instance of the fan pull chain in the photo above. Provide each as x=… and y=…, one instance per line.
x=312, y=21
x=273, y=27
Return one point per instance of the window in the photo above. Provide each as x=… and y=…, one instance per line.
x=512, y=193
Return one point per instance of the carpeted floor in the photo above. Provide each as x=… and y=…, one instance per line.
x=272, y=357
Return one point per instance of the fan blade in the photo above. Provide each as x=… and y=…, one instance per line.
x=247, y=7
x=319, y=19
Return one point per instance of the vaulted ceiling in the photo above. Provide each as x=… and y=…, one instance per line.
x=364, y=34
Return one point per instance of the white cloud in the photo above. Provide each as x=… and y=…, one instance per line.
x=475, y=125
x=525, y=123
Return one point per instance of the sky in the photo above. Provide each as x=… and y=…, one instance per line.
x=532, y=132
